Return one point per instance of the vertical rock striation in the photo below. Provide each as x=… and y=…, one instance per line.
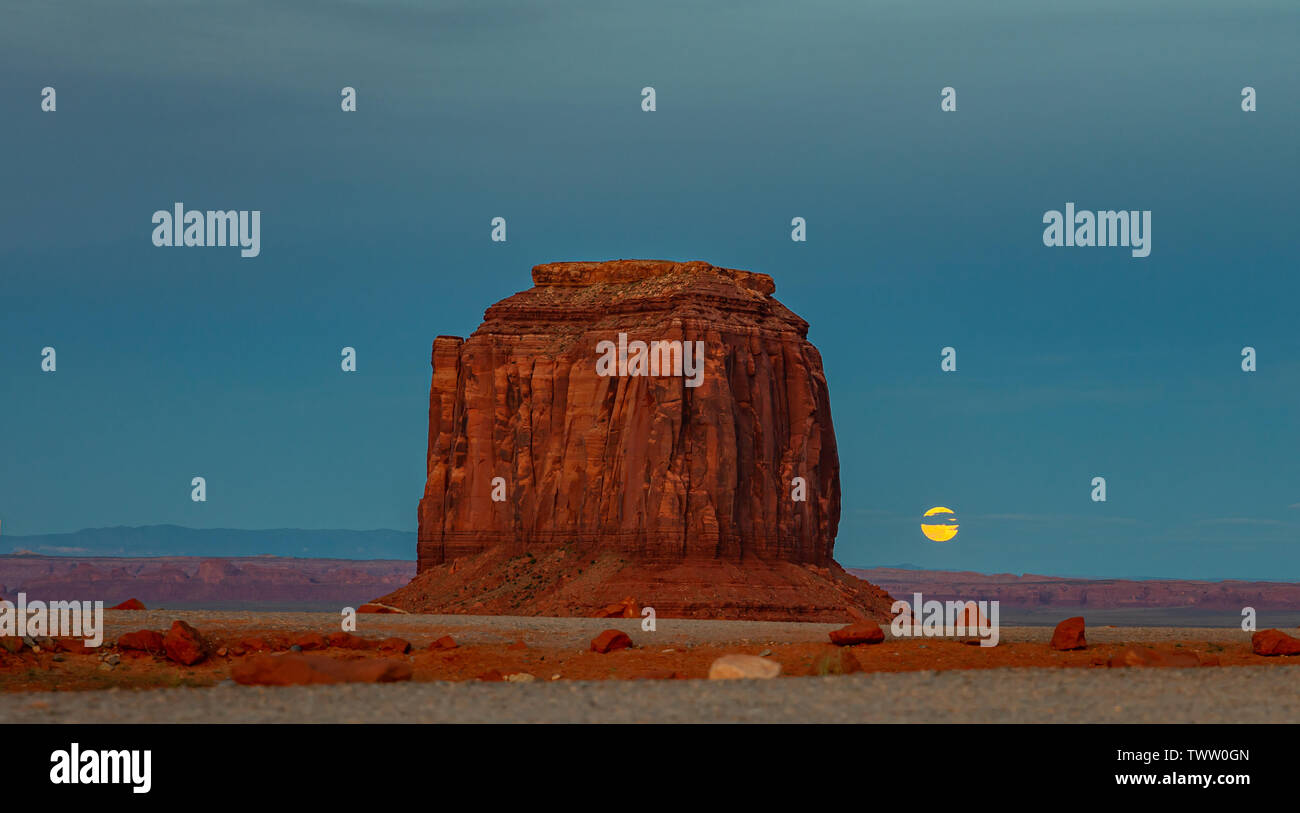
x=643, y=465
x=672, y=488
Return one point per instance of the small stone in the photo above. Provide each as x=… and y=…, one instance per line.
x=445, y=642
x=730, y=667
x=399, y=645
x=184, y=644
x=309, y=641
x=296, y=648
x=609, y=641
x=520, y=677
x=1069, y=634
x=1274, y=642
x=143, y=641
x=859, y=632
x=112, y=659
x=765, y=653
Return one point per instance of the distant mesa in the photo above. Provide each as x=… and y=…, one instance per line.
x=555, y=487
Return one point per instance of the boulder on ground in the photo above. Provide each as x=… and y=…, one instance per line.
x=184, y=644
x=150, y=641
x=859, y=632
x=733, y=667
x=308, y=641
x=1069, y=634
x=610, y=640
x=399, y=645
x=1274, y=642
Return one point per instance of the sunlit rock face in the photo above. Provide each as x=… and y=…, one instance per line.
x=660, y=464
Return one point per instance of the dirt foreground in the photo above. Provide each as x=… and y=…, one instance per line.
x=527, y=649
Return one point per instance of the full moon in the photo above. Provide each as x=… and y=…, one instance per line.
x=941, y=525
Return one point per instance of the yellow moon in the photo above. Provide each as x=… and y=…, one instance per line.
x=943, y=530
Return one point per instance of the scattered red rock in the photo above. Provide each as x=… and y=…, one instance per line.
x=859, y=632
x=184, y=644
x=12, y=644
x=492, y=675
x=1274, y=642
x=445, y=642
x=1143, y=656
x=308, y=641
x=346, y=640
x=1069, y=634
x=609, y=641
x=517, y=645
x=75, y=646
x=294, y=669
x=398, y=645
x=150, y=641
x=376, y=607
x=130, y=604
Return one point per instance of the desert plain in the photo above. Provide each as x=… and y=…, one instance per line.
x=459, y=668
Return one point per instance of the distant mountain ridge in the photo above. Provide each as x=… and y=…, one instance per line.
x=212, y=583
x=177, y=540
x=1031, y=591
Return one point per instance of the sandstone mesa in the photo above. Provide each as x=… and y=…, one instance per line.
x=554, y=488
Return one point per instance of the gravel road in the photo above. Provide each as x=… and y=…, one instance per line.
x=1235, y=695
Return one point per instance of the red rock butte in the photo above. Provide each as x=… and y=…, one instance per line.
x=618, y=485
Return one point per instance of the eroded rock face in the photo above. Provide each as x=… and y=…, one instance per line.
x=644, y=465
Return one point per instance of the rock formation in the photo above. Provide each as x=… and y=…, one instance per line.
x=659, y=469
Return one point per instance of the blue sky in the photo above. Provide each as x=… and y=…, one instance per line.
x=924, y=230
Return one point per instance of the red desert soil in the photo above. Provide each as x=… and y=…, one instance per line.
x=580, y=581
x=66, y=667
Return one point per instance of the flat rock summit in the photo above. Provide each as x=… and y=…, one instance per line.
x=558, y=485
